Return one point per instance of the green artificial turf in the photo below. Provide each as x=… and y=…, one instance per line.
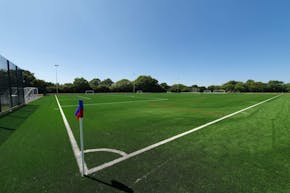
x=249, y=152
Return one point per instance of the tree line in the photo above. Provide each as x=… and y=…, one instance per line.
x=149, y=84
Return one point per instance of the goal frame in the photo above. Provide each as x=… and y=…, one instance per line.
x=89, y=92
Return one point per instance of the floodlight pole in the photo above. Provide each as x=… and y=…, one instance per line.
x=56, y=81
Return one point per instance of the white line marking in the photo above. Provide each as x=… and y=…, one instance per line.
x=106, y=150
x=152, y=171
x=84, y=97
x=120, y=102
x=150, y=147
x=74, y=145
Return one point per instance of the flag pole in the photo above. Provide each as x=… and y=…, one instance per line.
x=82, y=146
x=79, y=114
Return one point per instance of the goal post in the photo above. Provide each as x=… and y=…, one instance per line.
x=220, y=91
x=207, y=91
x=30, y=94
x=139, y=91
x=89, y=92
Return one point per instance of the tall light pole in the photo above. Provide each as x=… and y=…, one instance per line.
x=56, y=81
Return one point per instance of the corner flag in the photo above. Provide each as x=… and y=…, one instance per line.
x=80, y=110
x=79, y=115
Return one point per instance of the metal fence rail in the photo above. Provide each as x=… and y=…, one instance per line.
x=11, y=85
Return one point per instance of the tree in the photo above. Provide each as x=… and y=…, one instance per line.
x=178, y=88
x=287, y=87
x=260, y=87
x=67, y=88
x=194, y=88
x=165, y=86
x=28, y=78
x=123, y=85
x=252, y=86
x=107, y=82
x=230, y=86
x=41, y=85
x=186, y=89
x=214, y=87
x=102, y=88
x=276, y=86
x=148, y=84
x=144, y=83
x=81, y=85
x=240, y=87
x=202, y=88
x=94, y=83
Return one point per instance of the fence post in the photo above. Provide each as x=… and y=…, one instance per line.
x=9, y=83
x=17, y=85
x=20, y=84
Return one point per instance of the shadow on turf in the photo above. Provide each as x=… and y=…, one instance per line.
x=114, y=184
x=11, y=121
x=7, y=128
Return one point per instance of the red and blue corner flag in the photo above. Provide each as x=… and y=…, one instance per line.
x=79, y=115
x=80, y=110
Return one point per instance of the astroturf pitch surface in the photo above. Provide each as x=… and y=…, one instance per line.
x=249, y=152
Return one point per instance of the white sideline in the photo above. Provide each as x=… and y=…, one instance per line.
x=74, y=145
x=150, y=147
x=122, y=153
x=120, y=102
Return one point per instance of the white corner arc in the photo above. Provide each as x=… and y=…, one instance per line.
x=122, y=153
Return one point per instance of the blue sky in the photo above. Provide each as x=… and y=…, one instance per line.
x=186, y=41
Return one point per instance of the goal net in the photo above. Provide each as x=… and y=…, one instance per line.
x=139, y=91
x=219, y=91
x=207, y=91
x=89, y=92
x=30, y=94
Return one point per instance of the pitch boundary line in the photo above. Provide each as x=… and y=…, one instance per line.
x=120, y=102
x=150, y=147
x=74, y=145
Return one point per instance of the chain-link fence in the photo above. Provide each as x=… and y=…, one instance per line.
x=11, y=85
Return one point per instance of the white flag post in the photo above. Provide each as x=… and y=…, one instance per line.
x=79, y=114
x=82, y=146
